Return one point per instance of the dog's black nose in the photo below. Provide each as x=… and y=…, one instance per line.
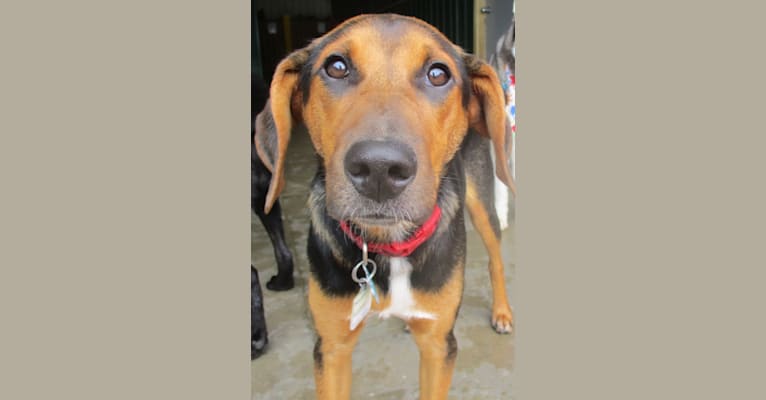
x=380, y=170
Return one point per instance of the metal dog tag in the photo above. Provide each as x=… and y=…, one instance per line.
x=361, y=306
x=363, y=300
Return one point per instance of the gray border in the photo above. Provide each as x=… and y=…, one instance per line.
x=125, y=225
x=640, y=212
x=125, y=219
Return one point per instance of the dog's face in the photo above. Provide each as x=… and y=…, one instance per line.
x=383, y=105
x=387, y=101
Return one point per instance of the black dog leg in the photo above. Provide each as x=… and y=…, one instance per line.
x=272, y=221
x=259, y=336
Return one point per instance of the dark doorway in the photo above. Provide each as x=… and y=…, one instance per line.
x=280, y=27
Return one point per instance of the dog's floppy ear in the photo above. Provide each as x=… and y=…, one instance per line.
x=487, y=116
x=273, y=124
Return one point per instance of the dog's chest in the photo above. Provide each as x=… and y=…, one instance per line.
x=402, y=303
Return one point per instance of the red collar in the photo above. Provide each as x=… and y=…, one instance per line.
x=399, y=249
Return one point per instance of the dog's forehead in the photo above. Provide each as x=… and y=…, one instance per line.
x=386, y=49
x=386, y=38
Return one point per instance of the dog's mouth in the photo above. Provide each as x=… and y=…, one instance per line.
x=397, y=240
x=382, y=222
x=378, y=220
x=381, y=227
x=381, y=234
x=361, y=211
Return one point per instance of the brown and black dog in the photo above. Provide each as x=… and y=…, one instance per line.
x=399, y=117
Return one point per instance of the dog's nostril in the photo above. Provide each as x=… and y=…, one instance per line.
x=359, y=170
x=399, y=173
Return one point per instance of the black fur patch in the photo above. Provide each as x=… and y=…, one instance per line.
x=451, y=346
x=318, y=353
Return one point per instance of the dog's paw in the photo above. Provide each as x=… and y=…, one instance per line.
x=280, y=283
x=502, y=320
x=257, y=348
x=259, y=338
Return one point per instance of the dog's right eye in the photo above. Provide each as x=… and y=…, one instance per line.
x=336, y=67
x=438, y=74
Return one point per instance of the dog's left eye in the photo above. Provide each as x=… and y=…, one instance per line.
x=336, y=67
x=438, y=75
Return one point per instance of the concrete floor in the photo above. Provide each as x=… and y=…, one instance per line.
x=385, y=363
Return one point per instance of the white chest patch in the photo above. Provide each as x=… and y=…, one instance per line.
x=402, y=304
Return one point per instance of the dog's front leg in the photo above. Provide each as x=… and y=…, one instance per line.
x=438, y=349
x=335, y=343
